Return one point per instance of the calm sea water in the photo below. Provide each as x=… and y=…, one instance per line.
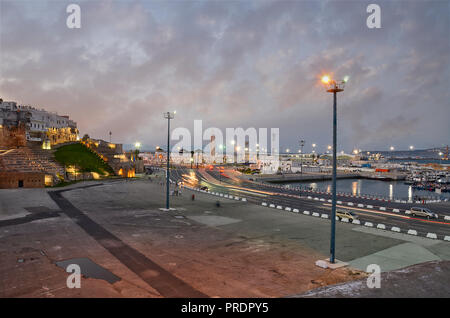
x=388, y=189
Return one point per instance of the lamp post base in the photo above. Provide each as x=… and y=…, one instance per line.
x=326, y=263
x=167, y=210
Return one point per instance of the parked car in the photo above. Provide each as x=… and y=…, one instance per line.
x=346, y=214
x=423, y=212
x=204, y=188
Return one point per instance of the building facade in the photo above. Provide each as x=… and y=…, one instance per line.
x=20, y=124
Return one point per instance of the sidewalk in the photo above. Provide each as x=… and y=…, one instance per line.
x=426, y=280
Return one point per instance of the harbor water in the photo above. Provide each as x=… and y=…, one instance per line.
x=386, y=189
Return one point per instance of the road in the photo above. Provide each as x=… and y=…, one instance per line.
x=391, y=214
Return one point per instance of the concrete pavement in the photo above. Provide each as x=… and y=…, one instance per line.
x=236, y=250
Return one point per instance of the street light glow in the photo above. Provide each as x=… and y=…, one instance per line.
x=325, y=79
x=137, y=144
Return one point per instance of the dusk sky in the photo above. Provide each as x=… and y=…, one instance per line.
x=235, y=64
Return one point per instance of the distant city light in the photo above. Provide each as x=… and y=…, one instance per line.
x=392, y=148
x=137, y=145
x=346, y=78
x=411, y=147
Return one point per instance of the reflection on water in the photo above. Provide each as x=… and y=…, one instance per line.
x=355, y=188
x=392, y=189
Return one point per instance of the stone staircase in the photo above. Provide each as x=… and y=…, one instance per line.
x=30, y=159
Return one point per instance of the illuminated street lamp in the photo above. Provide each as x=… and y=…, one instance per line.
x=391, y=148
x=334, y=87
x=137, y=146
x=411, y=147
x=302, y=143
x=168, y=116
x=440, y=156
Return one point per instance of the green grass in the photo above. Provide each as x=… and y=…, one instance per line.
x=84, y=159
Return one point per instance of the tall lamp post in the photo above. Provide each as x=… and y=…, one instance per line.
x=334, y=87
x=302, y=143
x=168, y=116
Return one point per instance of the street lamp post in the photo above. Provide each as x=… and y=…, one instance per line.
x=334, y=87
x=168, y=116
x=197, y=158
x=302, y=143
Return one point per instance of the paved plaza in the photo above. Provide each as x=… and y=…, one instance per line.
x=200, y=249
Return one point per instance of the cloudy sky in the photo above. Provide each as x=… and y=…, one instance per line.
x=234, y=64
